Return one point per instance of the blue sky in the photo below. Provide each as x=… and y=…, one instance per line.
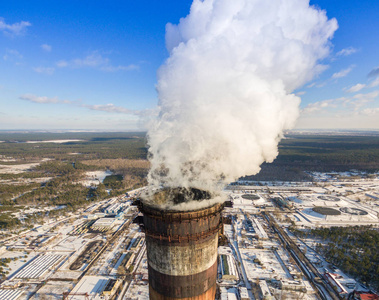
x=75, y=65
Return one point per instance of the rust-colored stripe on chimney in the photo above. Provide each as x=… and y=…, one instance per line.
x=182, y=252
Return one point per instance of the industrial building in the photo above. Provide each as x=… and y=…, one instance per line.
x=10, y=294
x=359, y=295
x=244, y=295
x=228, y=293
x=128, y=260
x=266, y=294
x=116, y=208
x=103, y=224
x=293, y=285
x=333, y=279
x=182, y=251
x=228, y=268
x=111, y=288
x=92, y=286
x=260, y=232
x=38, y=266
x=136, y=242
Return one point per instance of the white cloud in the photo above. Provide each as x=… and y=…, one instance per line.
x=360, y=100
x=15, y=28
x=370, y=111
x=46, y=47
x=356, y=88
x=12, y=55
x=62, y=64
x=109, y=108
x=96, y=61
x=374, y=83
x=301, y=93
x=120, y=68
x=358, y=111
x=39, y=99
x=347, y=51
x=370, y=96
x=342, y=73
x=43, y=70
x=320, y=105
x=351, y=104
x=93, y=60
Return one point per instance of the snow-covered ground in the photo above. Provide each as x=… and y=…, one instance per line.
x=16, y=169
x=55, y=141
x=53, y=290
x=95, y=178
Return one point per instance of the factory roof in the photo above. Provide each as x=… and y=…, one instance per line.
x=365, y=296
x=104, y=222
x=93, y=285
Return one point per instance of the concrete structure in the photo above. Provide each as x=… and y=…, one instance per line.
x=182, y=252
x=111, y=288
x=116, y=208
x=92, y=286
x=228, y=293
x=261, y=233
x=103, y=223
x=128, y=260
x=266, y=295
x=244, y=295
x=333, y=279
x=38, y=266
x=293, y=285
x=10, y=294
x=227, y=267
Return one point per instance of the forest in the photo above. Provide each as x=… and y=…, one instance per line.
x=322, y=153
x=296, y=152
x=353, y=249
x=85, y=145
x=55, y=181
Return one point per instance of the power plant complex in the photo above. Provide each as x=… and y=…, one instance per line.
x=182, y=250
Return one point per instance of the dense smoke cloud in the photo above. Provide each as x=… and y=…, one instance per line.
x=225, y=92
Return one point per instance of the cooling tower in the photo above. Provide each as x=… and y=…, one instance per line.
x=182, y=252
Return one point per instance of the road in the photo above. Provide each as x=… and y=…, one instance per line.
x=241, y=266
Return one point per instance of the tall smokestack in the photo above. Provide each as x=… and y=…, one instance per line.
x=181, y=250
x=226, y=94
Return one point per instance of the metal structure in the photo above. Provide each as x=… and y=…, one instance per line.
x=182, y=252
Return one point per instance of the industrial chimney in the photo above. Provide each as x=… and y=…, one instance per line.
x=181, y=248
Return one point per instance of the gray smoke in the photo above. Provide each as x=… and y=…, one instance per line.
x=225, y=92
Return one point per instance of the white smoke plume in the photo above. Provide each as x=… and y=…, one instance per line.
x=225, y=92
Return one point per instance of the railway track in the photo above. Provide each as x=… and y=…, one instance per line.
x=323, y=289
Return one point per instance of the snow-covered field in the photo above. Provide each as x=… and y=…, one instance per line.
x=16, y=169
x=95, y=177
x=55, y=141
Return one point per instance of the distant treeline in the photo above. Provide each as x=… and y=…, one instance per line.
x=125, y=155
x=321, y=153
x=92, y=146
x=296, y=152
